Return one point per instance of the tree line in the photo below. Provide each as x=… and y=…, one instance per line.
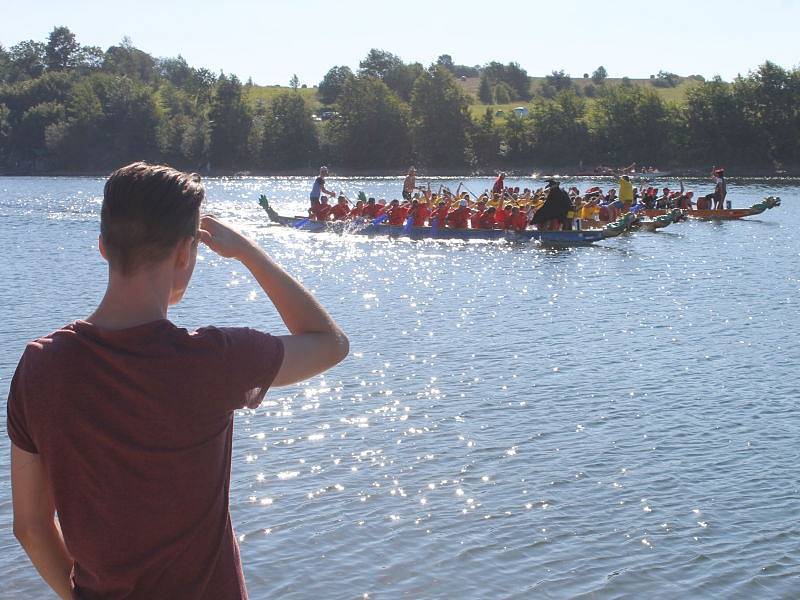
x=68, y=107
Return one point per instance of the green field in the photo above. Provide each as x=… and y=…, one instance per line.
x=268, y=92
x=477, y=109
x=470, y=85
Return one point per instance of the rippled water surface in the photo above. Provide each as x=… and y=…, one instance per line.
x=614, y=421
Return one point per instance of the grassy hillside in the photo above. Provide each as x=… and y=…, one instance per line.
x=477, y=109
x=470, y=85
x=268, y=92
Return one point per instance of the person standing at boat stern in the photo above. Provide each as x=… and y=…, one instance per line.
x=720, y=188
x=122, y=424
x=625, y=192
x=409, y=184
x=318, y=188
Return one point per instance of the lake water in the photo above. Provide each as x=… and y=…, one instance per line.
x=613, y=421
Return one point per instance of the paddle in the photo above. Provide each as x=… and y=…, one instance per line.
x=470, y=191
x=409, y=224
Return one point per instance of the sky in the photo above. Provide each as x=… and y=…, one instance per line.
x=273, y=39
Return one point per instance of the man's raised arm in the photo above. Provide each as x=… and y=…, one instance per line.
x=316, y=342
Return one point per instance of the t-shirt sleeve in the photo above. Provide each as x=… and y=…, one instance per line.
x=251, y=360
x=17, y=410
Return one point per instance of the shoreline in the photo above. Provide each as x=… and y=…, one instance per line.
x=534, y=173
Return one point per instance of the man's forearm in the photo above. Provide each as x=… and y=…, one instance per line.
x=48, y=553
x=298, y=308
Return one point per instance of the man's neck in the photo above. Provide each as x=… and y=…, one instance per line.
x=135, y=300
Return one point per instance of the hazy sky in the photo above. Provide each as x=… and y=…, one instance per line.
x=272, y=39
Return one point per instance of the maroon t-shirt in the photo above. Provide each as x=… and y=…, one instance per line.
x=134, y=430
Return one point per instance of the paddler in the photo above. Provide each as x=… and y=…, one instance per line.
x=397, y=213
x=440, y=214
x=478, y=214
x=420, y=213
x=459, y=218
x=487, y=219
x=323, y=211
x=358, y=210
x=341, y=210
x=500, y=216
x=518, y=220
x=371, y=210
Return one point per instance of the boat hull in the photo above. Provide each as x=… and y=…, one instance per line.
x=706, y=215
x=367, y=228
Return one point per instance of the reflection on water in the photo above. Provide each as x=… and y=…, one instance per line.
x=513, y=421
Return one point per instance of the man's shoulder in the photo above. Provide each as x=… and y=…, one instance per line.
x=50, y=345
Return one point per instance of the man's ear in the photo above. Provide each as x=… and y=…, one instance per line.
x=184, y=252
x=102, y=247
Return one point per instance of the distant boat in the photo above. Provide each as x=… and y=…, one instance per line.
x=725, y=214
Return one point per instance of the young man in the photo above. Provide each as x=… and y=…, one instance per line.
x=121, y=424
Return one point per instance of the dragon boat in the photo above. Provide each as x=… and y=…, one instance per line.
x=725, y=214
x=669, y=217
x=374, y=227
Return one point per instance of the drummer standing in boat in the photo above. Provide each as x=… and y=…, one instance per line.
x=319, y=188
x=410, y=184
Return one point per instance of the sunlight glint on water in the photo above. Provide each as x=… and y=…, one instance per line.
x=513, y=421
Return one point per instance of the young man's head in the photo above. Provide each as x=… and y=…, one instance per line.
x=151, y=214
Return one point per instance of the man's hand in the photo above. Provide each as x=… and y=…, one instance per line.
x=223, y=239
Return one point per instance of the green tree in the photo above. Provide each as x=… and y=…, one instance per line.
x=62, y=51
x=5, y=64
x=503, y=93
x=128, y=60
x=514, y=76
x=559, y=129
x=631, y=124
x=665, y=79
x=440, y=119
x=26, y=61
x=599, y=74
x=229, y=118
x=291, y=138
x=379, y=64
x=371, y=130
x=559, y=80
x=332, y=84
x=770, y=101
x=294, y=82
x=5, y=133
x=485, y=140
x=518, y=139
x=390, y=69
x=485, y=93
